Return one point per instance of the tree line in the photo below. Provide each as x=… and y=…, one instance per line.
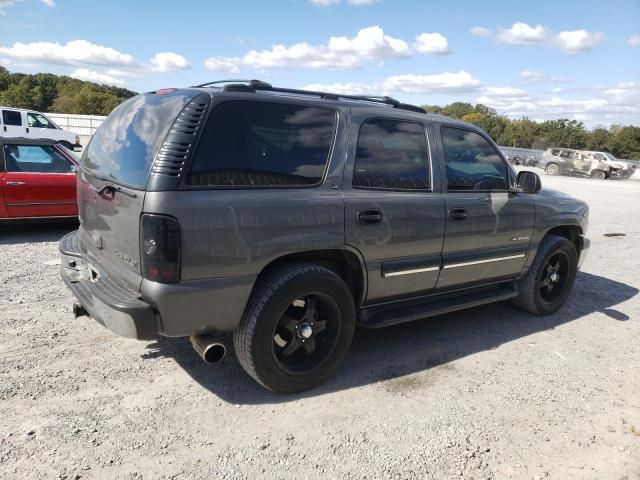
x=622, y=141
x=46, y=92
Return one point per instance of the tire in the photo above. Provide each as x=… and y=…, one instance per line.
x=533, y=296
x=273, y=351
x=552, y=169
x=598, y=175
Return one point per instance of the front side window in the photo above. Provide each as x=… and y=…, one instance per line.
x=11, y=117
x=392, y=155
x=472, y=163
x=256, y=144
x=37, y=120
x=35, y=159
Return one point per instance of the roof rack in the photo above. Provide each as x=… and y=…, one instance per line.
x=255, y=85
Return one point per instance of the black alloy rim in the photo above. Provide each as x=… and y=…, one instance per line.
x=554, y=278
x=306, y=333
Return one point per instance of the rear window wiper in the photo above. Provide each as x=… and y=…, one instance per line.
x=112, y=188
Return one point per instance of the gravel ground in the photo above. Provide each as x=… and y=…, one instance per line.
x=486, y=393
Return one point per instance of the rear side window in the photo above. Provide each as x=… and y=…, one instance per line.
x=35, y=159
x=11, y=117
x=471, y=162
x=123, y=148
x=393, y=155
x=256, y=144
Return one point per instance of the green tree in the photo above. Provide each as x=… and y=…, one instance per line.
x=625, y=143
x=493, y=124
x=563, y=133
x=598, y=139
x=520, y=133
x=457, y=109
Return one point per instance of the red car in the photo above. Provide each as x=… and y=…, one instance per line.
x=37, y=179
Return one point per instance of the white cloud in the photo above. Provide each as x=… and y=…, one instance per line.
x=222, y=64
x=520, y=33
x=534, y=76
x=169, y=62
x=578, y=41
x=75, y=52
x=434, y=43
x=634, y=40
x=362, y=2
x=369, y=44
x=481, y=32
x=93, y=76
x=447, y=82
x=603, y=106
x=49, y=3
x=324, y=3
x=4, y=4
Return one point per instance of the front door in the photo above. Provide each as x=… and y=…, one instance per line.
x=39, y=182
x=394, y=210
x=489, y=227
x=41, y=127
x=12, y=125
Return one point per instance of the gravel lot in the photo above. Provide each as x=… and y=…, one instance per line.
x=485, y=393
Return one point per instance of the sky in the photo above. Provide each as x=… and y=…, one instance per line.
x=543, y=60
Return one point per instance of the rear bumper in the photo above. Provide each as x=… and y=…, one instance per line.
x=110, y=304
x=167, y=309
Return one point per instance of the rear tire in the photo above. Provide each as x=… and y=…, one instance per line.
x=547, y=284
x=552, y=169
x=297, y=328
x=598, y=175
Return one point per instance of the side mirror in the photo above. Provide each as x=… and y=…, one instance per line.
x=529, y=182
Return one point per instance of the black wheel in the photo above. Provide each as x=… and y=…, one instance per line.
x=552, y=169
x=296, y=329
x=598, y=175
x=547, y=284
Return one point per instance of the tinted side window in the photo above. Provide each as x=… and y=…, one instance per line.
x=472, y=163
x=35, y=159
x=263, y=145
x=11, y=117
x=392, y=154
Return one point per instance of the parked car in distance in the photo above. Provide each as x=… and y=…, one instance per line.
x=20, y=123
x=567, y=161
x=288, y=217
x=617, y=168
x=37, y=180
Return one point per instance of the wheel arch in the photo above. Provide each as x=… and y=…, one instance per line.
x=573, y=233
x=345, y=263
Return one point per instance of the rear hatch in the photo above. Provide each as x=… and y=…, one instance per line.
x=112, y=180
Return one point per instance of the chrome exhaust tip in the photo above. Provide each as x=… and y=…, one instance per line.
x=209, y=348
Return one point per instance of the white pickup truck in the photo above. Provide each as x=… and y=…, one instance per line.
x=17, y=122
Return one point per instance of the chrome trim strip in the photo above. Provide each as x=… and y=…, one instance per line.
x=488, y=260
x=409, y=272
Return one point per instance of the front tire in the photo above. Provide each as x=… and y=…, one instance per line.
x=598, y=175
x=297, y=328
x=547, y=284
x=552, y=169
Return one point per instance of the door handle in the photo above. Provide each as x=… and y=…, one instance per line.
x=5, y=128
x=369, y=217
x=27, y=129
x=457, y=214
x=14, y=183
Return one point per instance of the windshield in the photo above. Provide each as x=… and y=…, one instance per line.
x=123, y=148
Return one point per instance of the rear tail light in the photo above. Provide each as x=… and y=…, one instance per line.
x=160, y=248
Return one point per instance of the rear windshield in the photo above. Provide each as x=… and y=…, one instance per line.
x=123, y=148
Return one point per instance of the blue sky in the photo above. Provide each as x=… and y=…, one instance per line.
x=543, y=59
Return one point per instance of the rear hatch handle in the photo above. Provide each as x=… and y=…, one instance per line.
x=111, y=188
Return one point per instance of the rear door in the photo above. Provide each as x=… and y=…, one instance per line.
x=113, y=176
x=39, y=182
x=12, y=123
x=488, y=229
x=394, y=211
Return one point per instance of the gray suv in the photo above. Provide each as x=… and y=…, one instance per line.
x=290, y=217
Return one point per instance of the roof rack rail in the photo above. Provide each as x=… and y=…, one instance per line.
x=253, y=85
